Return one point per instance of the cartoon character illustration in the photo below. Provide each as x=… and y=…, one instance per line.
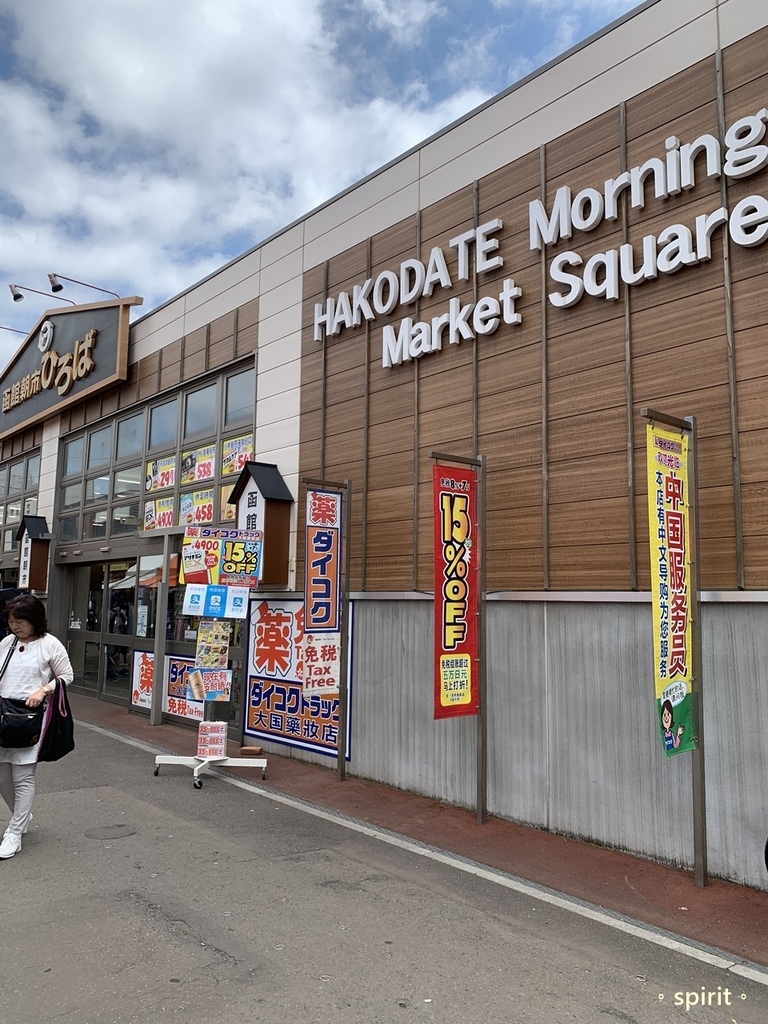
x=671, y=738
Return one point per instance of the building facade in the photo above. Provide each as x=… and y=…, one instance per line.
x=587, y=245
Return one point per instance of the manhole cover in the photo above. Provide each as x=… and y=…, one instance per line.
x=110, y=832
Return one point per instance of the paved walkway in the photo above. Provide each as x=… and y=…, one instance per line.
x=729, y=917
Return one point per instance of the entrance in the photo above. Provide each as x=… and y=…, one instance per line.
x=101, y=629
x=114, y=616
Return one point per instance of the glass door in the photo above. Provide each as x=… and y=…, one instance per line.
x=119, y=629
x=101, y=627
x=84, y=626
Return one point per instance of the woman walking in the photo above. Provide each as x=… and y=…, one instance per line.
x=34, y=660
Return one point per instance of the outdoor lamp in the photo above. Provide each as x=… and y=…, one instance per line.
x=57, y=286
x=17, y=289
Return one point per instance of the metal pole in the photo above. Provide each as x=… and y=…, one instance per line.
x=699, y=793
x=158, y=668
x=482, y=713
x=481, y=767
x=341, y=761
x=698, y=785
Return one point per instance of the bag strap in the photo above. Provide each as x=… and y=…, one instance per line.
x=11, y=649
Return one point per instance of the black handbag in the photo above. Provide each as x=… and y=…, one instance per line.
x=20, y=725
x=59, y=735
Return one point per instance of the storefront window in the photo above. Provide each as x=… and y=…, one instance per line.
x=72, y=497
x=16, y=478
x=100, y=448
x=124, y=519
x=130, y=436
x=9, y=540
x=200, y=412
x=33, y=472
x=68, y=528
x=150, y=575
x=162, y=425
x=96, y=489
x=13, y=512
x=95, y=524
x=95, y=598
x=3, y=480
x=30, y=506
x=241, y=398
x=73, y=457
x=127, y=482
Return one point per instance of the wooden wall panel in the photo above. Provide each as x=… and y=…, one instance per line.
x=347, y=269
x=744, y=99
x=149, y=376
x=505, y=411
x=589, y=142
x=508, y=183
x=343, y=354
x=221, y=353
x=569, y=439
x=577, y=479
x=447, y=219
x=684, y=367
x=744, y=61
x=520, y=487
x=511, y=448
x=129, y=389
x=109, y=403
x=677, y=346
x=588, y=521
x=247, y=340
x=753, y=444
x=694, y=317
x=592, y=390
x=194, y=357
x=751, y=405
x=749, y=306
x=516, y=568
x=389, y=247
x=658, y=105
x=502, y=372
x=248, y=313
x=170, y=365
x=586, y=349
x=600, y=566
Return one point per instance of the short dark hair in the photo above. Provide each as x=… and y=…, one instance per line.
x=29, y=608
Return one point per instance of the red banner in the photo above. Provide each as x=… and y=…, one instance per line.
x=322, y=571
x=454, y=494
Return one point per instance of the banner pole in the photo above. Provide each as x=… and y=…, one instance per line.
x=341, y=760
x=698, y=783
x=482, y=714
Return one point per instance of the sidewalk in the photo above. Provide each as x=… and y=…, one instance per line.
x=724, y=915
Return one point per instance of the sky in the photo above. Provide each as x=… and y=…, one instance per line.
x=145, y=143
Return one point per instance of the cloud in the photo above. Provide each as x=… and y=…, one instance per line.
x=403, y=20
x=145, y=144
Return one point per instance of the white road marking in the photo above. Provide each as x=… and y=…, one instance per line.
x=711, y=956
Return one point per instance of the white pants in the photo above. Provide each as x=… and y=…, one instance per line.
x=17, y=786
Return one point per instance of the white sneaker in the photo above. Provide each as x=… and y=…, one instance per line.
x=10, y=845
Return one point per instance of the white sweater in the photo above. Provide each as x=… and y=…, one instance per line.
x=41, y=663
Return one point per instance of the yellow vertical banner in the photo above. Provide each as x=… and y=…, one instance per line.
x=669, y=507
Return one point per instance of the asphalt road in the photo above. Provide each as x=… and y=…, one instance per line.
x=140, y=899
